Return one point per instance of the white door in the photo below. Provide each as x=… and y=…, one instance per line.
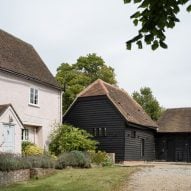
x=8, y=138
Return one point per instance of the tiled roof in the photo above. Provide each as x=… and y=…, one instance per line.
x=3, y=108
x=20, y=58
x=126, y=105
x=175, y=120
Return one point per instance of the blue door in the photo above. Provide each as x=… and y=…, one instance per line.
x=8, y=138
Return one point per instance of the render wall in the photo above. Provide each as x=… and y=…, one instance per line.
x=16, y=90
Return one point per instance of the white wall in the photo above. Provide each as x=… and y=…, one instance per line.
x=16, y=91
x=17, y=129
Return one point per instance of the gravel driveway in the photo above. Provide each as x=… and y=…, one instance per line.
x=165, y=177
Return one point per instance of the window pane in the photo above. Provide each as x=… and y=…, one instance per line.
x=95, y=132
x=104, y=132
x=32, y=95
x=100, y=132
x=22, y=134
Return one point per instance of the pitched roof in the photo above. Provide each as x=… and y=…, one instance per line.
x=175, y=120
x=4, y=107
x=125, y=104
x=20, y=58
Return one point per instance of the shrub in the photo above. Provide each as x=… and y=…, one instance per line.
x=41, y=161
x=25, y=144
x=100, y=158
x=73, y=159
x=10, y=162
x=32, y=150
x=67, y=138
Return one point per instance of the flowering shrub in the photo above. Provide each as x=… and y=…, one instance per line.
x=32, y=150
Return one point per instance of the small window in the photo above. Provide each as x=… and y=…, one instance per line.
x=133, y=134
x=95, y=132
x=100, y=132
x=104, y=132
x=34, y=96
x=25, y=135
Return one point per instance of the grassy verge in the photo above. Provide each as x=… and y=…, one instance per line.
x=95, y=179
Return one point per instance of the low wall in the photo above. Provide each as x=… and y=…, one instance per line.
x=40, y=172
x=14, y=176
x=11, y=177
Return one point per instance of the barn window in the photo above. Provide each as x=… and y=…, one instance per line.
x=95, y=132
x=100, y=132
x=25, y=135
x=133, y=134
x=104, y=132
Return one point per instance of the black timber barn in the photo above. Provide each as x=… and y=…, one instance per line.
x=116, y=121
x=173, y=141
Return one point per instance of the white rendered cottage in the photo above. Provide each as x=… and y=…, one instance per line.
x=30, y=98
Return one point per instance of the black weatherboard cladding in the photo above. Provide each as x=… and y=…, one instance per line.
x=99, y=112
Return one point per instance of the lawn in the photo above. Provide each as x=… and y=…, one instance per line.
x=94, y=179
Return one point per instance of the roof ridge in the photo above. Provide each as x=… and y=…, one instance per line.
x=90, y=86
x=178, y=108
x=103, y=86
x=124, y=91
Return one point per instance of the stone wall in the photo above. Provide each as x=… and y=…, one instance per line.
x=40, y=172
x=14, y=176
x=11, y=177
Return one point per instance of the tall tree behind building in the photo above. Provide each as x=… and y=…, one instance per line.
x=73, y=78
x=149, y=103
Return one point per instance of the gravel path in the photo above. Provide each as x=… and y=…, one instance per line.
x=161, y=178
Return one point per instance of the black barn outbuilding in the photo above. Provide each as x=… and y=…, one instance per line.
x=117, y=121
x=173, y=140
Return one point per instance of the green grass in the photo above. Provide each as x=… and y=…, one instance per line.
x=95, y=179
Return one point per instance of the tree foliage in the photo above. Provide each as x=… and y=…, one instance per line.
x=149, y=103
x=68, y=138
x=154, y=16
x=75, y=77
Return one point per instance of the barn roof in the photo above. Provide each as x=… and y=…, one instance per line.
x=125, y=104
x=175, y=120
x=21, y=59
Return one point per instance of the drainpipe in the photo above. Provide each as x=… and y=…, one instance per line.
x=61, y=94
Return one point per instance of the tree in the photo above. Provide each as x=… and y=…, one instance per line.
x=155, y=16
x=149, y=103
x=68, y=138
x=74, y=78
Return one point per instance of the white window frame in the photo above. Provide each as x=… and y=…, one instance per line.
x=32, y=98
x=25, y=134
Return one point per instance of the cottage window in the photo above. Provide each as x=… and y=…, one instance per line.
x=133, y=134
x=33, y=96
x=25, y=135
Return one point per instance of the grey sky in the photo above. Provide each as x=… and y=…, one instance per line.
x=63, y=30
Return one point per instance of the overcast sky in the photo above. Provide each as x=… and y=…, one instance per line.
x=63, y=30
